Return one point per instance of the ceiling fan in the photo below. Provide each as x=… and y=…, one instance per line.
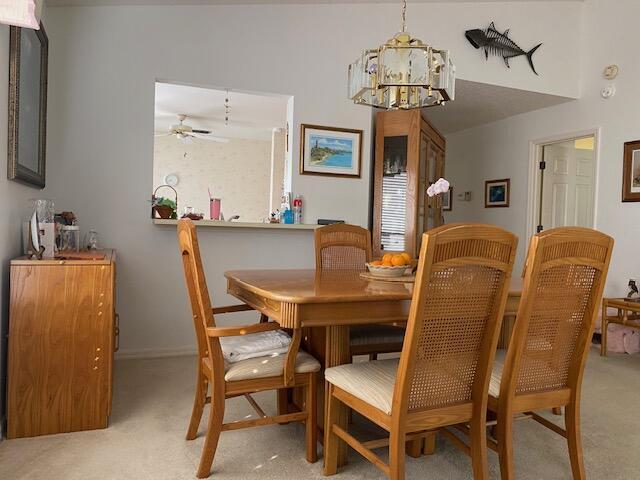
x=185, y=132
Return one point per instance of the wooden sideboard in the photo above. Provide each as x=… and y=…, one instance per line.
x=62, y=335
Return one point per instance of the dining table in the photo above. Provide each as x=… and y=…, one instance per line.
x=326, y=303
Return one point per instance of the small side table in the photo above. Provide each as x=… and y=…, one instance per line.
x=627, y=314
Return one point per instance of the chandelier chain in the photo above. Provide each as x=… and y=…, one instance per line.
x=404, y=15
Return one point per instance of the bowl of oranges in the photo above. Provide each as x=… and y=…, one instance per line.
x=391, y=265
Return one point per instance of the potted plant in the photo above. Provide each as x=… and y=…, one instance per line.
x=166, y=208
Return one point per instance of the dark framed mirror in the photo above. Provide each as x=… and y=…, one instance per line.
x=28, y=58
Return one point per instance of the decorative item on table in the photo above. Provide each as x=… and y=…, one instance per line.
x=631, y=172
x=35, y=248
x=70, y=238
x=391, y=265
x=403, y=73
x=274, y=217
x=633, y=289
x=330, y=151
x=28, y=60
x=61, y=219
x=496, y=193
x=91, y=240
x=162, y=206
x=44, y=212
x=497, y=43
x=214, y=207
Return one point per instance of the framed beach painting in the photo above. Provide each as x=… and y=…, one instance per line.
x=496, y=193
x=330, y=151
x=631, y=172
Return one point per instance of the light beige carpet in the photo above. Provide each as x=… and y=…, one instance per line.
x=152, y=405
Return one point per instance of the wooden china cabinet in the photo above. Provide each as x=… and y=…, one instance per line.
x=409, y=156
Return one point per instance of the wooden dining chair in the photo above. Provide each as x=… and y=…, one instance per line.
x=565, y=275
x=226, y=380
x=348, y=247
x=443, y=373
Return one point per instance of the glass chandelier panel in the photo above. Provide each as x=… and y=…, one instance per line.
x=403, y=73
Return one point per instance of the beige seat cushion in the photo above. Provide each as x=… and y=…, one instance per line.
x=372, y=382
x=375, y=334
x=496, y=377
x=270, y=366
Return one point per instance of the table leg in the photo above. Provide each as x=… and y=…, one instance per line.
x=337, y=353
x=603, y=332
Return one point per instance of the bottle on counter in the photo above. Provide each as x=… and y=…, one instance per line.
x=297, y=209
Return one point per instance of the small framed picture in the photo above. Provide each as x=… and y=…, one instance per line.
x=496, y=193
x=330, y=151
x=631, y=172
x=447, y=200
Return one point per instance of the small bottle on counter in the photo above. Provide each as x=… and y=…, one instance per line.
x=297, y=209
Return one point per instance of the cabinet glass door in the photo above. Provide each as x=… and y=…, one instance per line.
x=423, y=202
x=394, y=194
x=432, y=159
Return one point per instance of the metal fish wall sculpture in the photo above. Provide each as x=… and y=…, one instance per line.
x=500, y=44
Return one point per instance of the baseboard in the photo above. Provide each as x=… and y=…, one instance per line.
x=155, y=352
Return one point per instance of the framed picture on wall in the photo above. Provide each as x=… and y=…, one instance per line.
x=496, y=193
x=447, y=199
x=28, y=59
x=631, y=172
x=330, y=151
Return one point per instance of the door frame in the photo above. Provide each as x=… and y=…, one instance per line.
x=535, y=154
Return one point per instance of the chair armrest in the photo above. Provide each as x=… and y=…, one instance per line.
x=242, y=330
x=232, y=309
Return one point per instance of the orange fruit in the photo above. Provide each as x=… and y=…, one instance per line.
x=398, y=260
x=376, y=263
x=387, y=257
x=387, y=263
x=406, y=257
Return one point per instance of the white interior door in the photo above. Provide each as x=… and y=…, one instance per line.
x=567, y=179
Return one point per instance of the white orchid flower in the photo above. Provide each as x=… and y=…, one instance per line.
x=440, y=186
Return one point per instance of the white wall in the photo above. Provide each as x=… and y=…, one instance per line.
x=14, y=198
x=224, y=168
x=104, y=61
x=501, y=149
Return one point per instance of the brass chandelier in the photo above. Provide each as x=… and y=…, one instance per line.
x=403, y=73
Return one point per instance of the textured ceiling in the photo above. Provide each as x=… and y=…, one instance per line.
x=88, y=3
x=479, y=103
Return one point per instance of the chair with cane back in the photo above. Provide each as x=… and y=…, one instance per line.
x=348, y=247
x=296, y=368
x=442, y=376
x=543, y=368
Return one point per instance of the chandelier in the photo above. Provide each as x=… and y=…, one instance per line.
x=403, y=73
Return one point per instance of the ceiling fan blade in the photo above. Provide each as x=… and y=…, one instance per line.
x=162, y=134
x=204, y=132
x=212, y=139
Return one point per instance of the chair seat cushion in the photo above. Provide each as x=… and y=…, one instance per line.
x=496, y=377
x=375, y=334
x=263, y=344
x=371, y=382
x=268, y=366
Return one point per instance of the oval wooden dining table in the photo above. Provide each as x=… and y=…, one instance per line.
x=325, y=304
